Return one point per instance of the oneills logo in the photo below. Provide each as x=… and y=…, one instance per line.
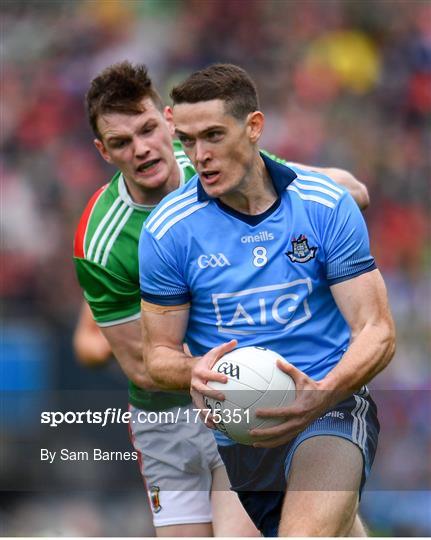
x=263, y=236
x=155, y=499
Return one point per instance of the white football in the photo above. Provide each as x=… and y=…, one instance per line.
x=254, y=382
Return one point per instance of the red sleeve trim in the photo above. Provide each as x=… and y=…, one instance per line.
x=79, y=242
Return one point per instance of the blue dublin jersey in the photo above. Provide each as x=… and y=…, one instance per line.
x=263, y=280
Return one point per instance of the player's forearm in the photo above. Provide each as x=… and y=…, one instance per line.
x=135, y=370
x=126, y=342
x=369, y=353
x=169, y=368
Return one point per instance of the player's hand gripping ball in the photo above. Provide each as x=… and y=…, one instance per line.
x=254, y=382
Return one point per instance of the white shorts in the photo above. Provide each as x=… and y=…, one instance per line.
x=176, y=460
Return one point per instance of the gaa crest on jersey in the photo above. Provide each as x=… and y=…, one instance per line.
x=301, y=251
x=155, y=499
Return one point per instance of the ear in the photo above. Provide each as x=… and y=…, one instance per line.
x=169, y=117
x=255, y=123
x=102, y=150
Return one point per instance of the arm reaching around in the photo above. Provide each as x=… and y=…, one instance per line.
x=357, y=189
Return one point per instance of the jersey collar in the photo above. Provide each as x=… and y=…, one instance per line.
x=280, y=174
x=124, y=193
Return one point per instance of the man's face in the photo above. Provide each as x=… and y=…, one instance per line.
x=220, y=146
x=140, y=145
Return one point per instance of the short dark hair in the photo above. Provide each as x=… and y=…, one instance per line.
x=227, y=82
x=119, y=88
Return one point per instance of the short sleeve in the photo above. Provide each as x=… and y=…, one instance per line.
x=161, y=278
x=346, y=243
x=113, y=299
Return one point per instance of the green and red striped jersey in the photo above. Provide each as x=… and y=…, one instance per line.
x=106, y=261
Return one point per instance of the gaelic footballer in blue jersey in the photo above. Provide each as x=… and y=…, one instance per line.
x=303, y=284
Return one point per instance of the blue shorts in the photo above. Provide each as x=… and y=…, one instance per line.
x=259, y=475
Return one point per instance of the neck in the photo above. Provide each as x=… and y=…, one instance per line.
x=255, y=193
x=152, y=196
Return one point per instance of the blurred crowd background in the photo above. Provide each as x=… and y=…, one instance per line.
x=342, y=83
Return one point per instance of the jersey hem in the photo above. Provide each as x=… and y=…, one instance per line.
x=182, y=521
x=334, y=281
x=119, y=321
x=165, y=300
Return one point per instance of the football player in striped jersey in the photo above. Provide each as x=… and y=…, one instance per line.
x=256, y=252
x=185, y=477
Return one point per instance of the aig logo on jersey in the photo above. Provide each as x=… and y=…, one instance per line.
x=213, y=260
x=272, y=308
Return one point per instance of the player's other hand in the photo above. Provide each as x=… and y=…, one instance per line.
x=310, y=403
x=201, y=374
x=92, y=350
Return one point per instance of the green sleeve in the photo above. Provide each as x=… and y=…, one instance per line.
x=112, y=298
